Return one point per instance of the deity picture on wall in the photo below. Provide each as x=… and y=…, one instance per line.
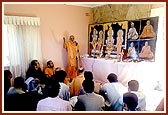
x=96, y=38
x=136, y=37
x=120, y=32
x=132, y=46
x=146, y=43
x=148, y=38
x=108, y=33
x=109, y=40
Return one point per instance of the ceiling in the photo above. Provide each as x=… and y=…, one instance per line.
x=91, y=5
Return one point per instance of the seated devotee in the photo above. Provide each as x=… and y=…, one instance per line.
x=7, y=81
x=53, y=102
x=18, y=86
x=33, y=84
x=20, y=99
x=76, y=83
x=76, y=86
x=50, y=69
x=132, y=33
x=64, y=92
x=88, y=75
x=35, y=71
x=133, y=87
x=22, y=102
x=112, y=92
x=132, y=52
x=89, y=101
x=146, y=52
x=148, y=31
x=130, y=102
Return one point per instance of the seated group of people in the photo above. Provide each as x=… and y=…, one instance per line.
x=82, y=94
x=34, y=82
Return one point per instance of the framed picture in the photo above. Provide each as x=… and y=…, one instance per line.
x=112, y=37
x=143, y=34
x=120, y=30
x=96, y=38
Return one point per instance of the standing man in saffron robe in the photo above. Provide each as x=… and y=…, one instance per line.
x=72, y=48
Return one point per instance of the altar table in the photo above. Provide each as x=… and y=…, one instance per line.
x=146, y=73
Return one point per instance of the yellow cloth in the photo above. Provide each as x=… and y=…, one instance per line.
x=72, y=49
x=49, y=71
x=76, y=84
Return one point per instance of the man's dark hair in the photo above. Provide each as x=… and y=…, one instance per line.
x=18, y=82
x=131, y=100
x=60, y=75
x=88, y=86
x=88, y=75
x=48, y=62
x=33, y=63
x=7, y=73
x=52, y=90
x=112, y=77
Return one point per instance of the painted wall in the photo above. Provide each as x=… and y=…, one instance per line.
x=57, y=21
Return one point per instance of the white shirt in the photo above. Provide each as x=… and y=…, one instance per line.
x=13, y=90
x=64, y=92
x=53, y=104
x=92, y=101
x=141, y=100
x=113, y=91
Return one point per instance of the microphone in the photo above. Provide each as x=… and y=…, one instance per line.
x=76, y=43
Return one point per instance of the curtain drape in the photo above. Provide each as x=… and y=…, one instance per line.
x=24, y=42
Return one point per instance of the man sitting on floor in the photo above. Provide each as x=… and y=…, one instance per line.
x=89, y=101
x=111, y=92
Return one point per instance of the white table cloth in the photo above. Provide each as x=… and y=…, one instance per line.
x=146, y=73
